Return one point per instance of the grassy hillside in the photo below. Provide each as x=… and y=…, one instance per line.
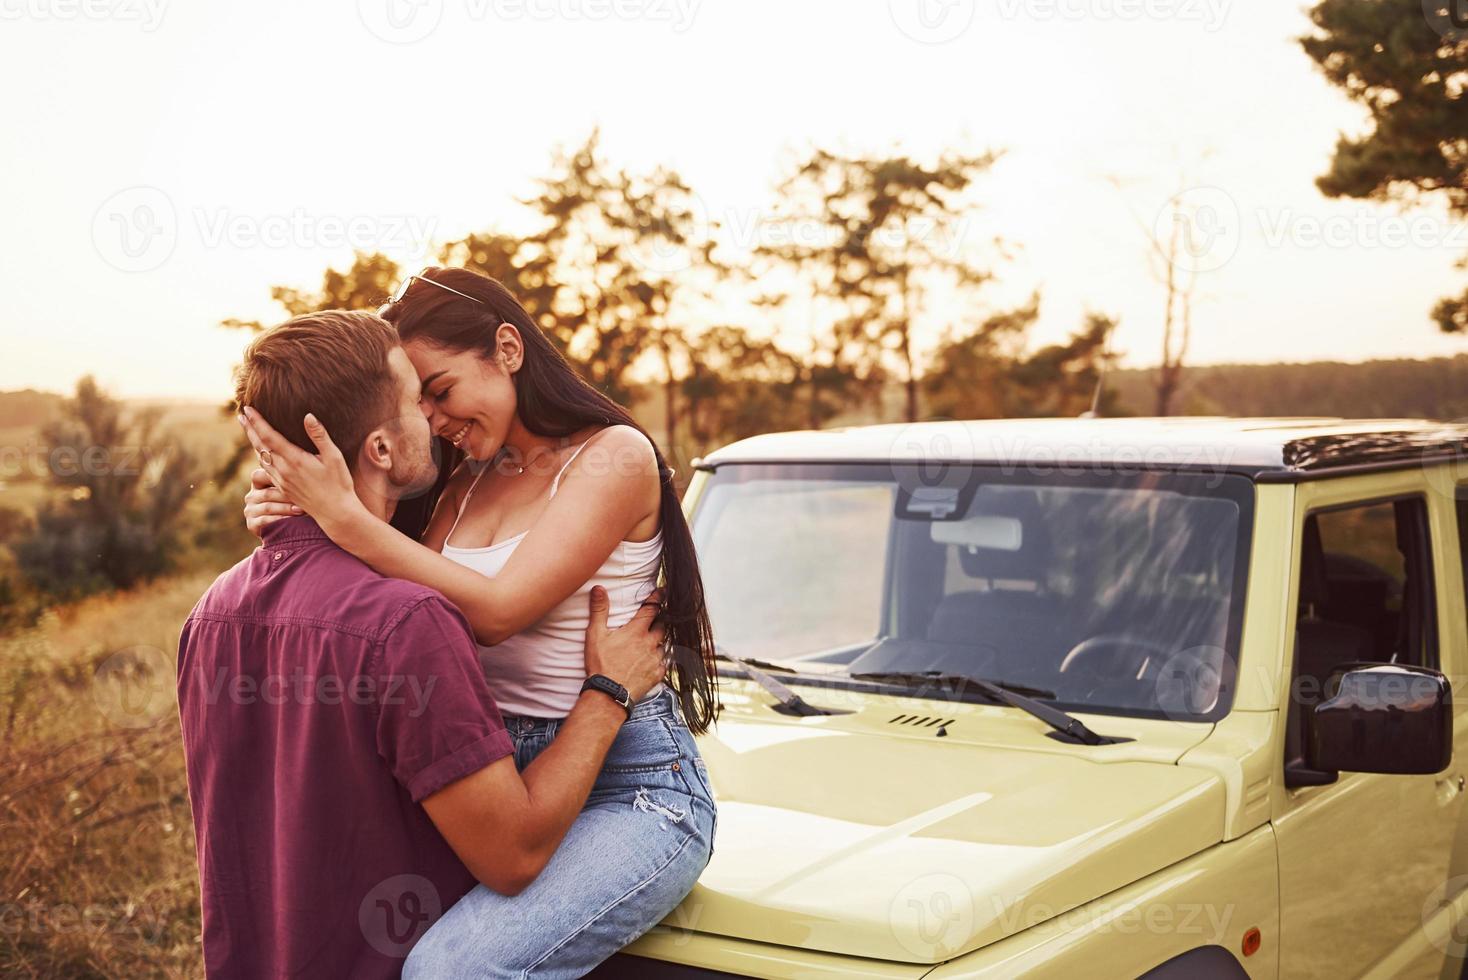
x=97, y=860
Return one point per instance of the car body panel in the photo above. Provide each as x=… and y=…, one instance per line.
x=1217, y=444
x=835, y=835
x=677, y=940
x=1366, y=861
x=1212, y=898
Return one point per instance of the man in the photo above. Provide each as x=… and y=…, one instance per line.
x=349, y=773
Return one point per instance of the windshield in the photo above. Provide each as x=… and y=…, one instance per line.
x=1119, y=592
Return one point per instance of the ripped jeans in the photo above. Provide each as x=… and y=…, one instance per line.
x=632, y=855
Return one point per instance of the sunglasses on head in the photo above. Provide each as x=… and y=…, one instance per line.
x=397, y=297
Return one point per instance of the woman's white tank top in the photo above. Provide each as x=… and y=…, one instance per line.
x=538, y=672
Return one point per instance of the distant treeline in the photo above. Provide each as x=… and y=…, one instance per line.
x=1435, y=388
x=1405, y=388
x=28, y=407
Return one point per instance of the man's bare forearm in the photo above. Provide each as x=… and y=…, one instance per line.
x=560, y=779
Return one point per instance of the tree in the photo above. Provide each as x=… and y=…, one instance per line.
x=614, y=270
x=671, y=241
x=1172, y=259
x=615, y=252
x=365, y=284
x=498, y=255
x=1410, y=73
x=967, y=376
x=869, y=239
x=127, y=484
x=988, y=373
x=1179, y=282
x=737, y=386
x=1061, y=379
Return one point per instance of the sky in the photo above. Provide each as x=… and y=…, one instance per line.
x=166, y=163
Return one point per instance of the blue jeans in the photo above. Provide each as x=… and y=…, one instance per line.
x=635, y=851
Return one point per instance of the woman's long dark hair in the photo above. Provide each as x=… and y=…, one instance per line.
x=554, y=401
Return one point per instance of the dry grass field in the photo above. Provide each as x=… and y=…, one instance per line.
x=97, y=874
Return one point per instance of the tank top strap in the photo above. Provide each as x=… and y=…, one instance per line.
x=556, y=483
x=464, y=504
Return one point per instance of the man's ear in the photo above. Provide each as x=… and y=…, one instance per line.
x=376, y=452
x=509, y=347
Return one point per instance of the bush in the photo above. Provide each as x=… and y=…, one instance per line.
x=71, y=554
x=121, y=520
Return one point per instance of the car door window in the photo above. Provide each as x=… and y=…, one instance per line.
x=1372, y=574
x=1365, y=594
x=1461, y=497
x=1365, y=591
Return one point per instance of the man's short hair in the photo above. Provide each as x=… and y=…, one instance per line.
x=332, y=364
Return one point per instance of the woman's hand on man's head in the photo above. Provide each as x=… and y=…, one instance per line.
x=318, y=484
x=265, y=504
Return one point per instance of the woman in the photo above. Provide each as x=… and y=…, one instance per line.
x=559, y=491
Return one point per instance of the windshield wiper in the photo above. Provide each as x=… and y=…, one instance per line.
x=790, y=702
x=939, y=677
x=752, y=662
x=1004, y=693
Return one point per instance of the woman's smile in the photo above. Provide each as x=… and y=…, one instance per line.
x=457, y=437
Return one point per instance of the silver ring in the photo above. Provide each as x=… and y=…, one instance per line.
x=266, y=459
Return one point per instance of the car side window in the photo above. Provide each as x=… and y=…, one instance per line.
x=1366, y=587
x=1365, y=595
x=1461, y=499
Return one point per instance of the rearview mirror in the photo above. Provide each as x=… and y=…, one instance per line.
x=1385, y=718
x=981, y=531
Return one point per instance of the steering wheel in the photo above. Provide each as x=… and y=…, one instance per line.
x=1142, y=654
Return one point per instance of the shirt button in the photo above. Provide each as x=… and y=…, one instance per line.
x=277, y=556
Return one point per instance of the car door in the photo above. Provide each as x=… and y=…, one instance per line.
x=1363, y=860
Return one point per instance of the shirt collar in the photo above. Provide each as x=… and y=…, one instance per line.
x=292, y=529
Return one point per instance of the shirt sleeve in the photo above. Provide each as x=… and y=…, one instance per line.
x=437, y=721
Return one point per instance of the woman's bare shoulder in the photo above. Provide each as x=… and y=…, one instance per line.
x=617, y=467
x=620, y=450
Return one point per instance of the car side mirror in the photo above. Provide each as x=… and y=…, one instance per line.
x=1383, y=718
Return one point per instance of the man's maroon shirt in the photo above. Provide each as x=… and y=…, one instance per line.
x=321, y=702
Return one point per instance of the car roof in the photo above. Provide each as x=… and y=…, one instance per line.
x=1280, y=447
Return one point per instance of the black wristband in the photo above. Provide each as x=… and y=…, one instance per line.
x=609, y=687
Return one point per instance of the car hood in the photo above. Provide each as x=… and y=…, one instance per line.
x=852, y=835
